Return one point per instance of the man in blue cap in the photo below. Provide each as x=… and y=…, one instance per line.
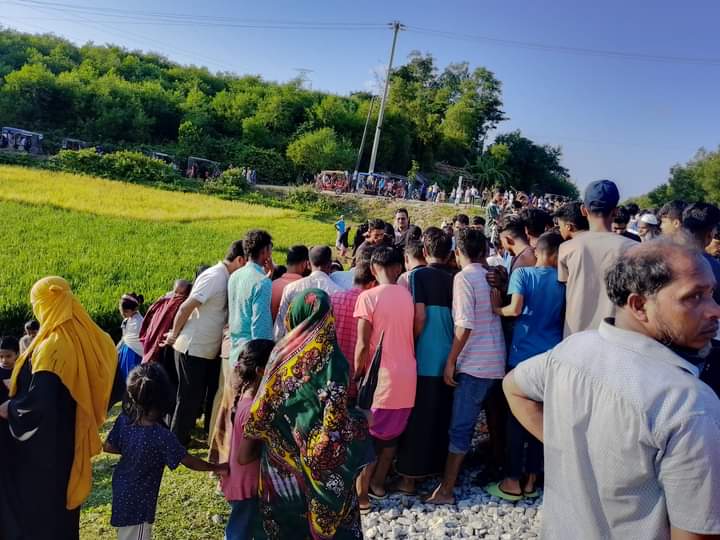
x=583, y=261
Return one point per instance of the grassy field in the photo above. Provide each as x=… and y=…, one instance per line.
x=110, y=237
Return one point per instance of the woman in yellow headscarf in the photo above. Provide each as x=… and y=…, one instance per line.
x=59, y=394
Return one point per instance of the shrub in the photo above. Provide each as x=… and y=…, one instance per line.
x=307, y=198
x=124, y=165
x=271, y=166
x=232, y=183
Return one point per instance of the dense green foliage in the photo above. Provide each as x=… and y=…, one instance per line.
x=128, y=99
x=123, y=165
x=697, y=180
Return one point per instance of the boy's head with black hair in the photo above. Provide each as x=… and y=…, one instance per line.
x=701, y=220
x=376, y=232
x=470, y=246
x=461, y=221
x=537, y=221
x=621, y=220
x=571, y=220
x=298, y=260
x=671, y=217
x=437, y=245
x=386, y=265
x=257, y=245
x=9, y=351
x=548, y=246
x=512, y=234
x=234, y=258
x=478, y=222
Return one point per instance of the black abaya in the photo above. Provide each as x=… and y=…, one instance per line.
x=40, y=435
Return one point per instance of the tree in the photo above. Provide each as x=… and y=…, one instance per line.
x=532, y=167
x=320, y=149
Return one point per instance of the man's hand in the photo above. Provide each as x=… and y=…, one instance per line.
x=497, y=277
x=169, y=340
x=4, y=410
x=449, y=374
x=496, y=299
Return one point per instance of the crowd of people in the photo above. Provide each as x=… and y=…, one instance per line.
x=583, y=330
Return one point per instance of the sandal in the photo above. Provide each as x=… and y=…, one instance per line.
x=534, y=494
x=495, y=490
x=365, y=511
x=375, y=496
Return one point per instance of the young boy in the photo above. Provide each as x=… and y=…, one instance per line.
x=32, y=327
x=477, y=358
x=423, y=446
x=385, y=312
x=414, y=258
x=9, y=350
x=538, y=298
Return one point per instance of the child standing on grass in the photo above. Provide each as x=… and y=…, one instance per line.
x=32, y=327
x=538, y=300
x=9, y=350
x=240, y=486
x=130, y=348
x=146, y=446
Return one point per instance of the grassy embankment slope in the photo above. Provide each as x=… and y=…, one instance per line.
x=110, y=237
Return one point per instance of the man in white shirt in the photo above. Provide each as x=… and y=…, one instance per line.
x=320, y=262
x=196, y=336
x=631, y=434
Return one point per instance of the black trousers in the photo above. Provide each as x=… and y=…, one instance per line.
x=524, y=452
x=196, y=379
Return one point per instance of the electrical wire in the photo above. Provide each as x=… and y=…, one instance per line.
x=565, y=49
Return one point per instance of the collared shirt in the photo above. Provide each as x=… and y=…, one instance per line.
x=249, y=294
x=344, y=279
x=278, y=286
x=483, y=355
x=631, y=438
x=317, y=280
x=202, y=334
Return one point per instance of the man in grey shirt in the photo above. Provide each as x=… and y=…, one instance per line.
x=631, y=435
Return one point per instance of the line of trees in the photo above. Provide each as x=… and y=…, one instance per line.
x=696, y=181
x=129, y=99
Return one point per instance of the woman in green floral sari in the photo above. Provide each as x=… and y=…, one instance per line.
x=314, y=445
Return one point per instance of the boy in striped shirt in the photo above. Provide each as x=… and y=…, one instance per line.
x=477, y=358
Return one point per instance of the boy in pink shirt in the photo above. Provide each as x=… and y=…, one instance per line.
x=388, y=311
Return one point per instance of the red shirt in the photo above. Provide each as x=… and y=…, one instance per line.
x=343, y=305
x=278, y=286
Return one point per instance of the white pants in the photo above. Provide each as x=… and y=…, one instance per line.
x=136, y=532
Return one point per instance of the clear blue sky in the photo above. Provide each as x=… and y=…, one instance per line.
x=625, y=119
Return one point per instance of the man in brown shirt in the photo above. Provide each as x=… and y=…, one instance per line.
x=583, y=261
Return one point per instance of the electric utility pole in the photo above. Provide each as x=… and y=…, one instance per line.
x=396, y=26
x=362, y=141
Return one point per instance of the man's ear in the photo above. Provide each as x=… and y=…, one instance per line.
x=637, y=304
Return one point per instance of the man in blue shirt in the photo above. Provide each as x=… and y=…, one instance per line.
x=250, y=293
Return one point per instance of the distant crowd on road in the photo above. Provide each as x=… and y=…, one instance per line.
x=586, y=333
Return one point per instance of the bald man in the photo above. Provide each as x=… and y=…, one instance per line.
x=631, y=434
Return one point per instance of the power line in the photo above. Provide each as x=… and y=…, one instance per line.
x=125, y=16
x=565, y=49
x=154, y=17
